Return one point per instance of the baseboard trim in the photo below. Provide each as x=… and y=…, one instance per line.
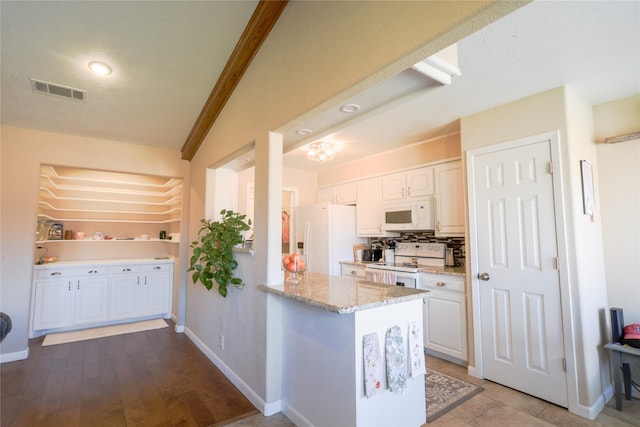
x=296, y=417
x=267, y=409
x=591, y=412
x=12, y=357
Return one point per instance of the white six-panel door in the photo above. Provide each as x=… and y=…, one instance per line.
x=519, y=286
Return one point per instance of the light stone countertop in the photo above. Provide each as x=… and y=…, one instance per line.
x=342, y=294
x=451, y=271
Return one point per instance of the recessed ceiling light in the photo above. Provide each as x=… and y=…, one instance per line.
x=350, y=108
x=303, y=131
x=100, y=68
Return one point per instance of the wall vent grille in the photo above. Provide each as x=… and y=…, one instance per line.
x=47, y=88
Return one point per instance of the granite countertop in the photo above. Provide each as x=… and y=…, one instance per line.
x=451, y=271
x=342, y=294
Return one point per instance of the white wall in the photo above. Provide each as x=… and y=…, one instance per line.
x=619, y=183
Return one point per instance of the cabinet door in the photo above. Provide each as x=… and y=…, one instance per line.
x=449, y=199
x=326, y=195
x=91, y=300
x=445, y=324
x=53, y=306
x=155, y=293
x=346, y=193
x=124, y=296
x=420, y=182
x=369, y=208
x=393, y=187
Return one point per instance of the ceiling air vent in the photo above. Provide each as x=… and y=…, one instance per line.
x=47, y=88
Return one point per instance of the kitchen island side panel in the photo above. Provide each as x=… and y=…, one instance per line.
x=386, y=408
x=323, y=367
x=318, y=369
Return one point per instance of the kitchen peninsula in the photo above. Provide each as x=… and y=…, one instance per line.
x=325, y=319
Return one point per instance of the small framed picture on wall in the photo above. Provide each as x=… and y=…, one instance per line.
x=588, y=194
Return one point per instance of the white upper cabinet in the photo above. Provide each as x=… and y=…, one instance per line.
x=342, y=194
x=369, y=208
x=449, y=199
x=407, y=185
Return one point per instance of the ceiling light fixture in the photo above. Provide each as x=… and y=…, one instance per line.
x=321, y=151
x=100, y=68
x=349, y=108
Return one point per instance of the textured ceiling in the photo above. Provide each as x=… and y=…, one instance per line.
x=167, y=57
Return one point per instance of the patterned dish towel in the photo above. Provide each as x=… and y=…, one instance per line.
x=416, y=350
x=396, y=365
x=372, y=364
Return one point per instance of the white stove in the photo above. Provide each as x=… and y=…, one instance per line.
x=409, y=258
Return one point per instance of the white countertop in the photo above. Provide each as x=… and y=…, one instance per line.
x=342, y=294
x=105, y=262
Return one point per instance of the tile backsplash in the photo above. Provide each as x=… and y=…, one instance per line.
x=456, y=243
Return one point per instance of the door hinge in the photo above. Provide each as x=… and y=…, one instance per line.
x=550, y=168
x=564, y=364
x=556, y=262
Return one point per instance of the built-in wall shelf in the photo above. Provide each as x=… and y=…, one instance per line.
x=121, y=204
x=40, y=242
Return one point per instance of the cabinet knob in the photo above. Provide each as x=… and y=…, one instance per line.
x=93, y=271
x=354, y=272
x=157, y=267
x=126, y=269
x=55, y=273
x=441, y=284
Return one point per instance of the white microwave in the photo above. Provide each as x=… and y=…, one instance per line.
x=408, y=215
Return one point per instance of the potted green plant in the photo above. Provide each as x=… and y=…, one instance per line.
x=213, y=258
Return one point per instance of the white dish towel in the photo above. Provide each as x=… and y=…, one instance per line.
x=386, y=277
x=416, y=350
x=372, y=364
x=396, y=361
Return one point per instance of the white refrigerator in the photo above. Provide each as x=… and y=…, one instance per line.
x=328, y=233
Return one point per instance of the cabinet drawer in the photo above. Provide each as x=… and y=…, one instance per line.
x=442, y=282
x=156, y=267
x=54, y=273
x=92, y=271
x=353, y=271
x=125, y=269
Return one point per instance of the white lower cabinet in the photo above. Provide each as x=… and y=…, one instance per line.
x=125, y=292
x=91, y=299
x=66, y=297
x=445, y=316
x=155, y=290
x=54, y=304
x=70, y=295
x=353, y=270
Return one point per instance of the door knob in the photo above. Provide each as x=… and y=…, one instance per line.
x=484, y=276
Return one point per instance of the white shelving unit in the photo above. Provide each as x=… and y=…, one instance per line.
x=126, y=205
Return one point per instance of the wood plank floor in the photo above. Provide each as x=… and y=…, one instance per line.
x=151, y=378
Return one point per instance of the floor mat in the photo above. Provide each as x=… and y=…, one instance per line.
x=106, y=331
x=445, y=392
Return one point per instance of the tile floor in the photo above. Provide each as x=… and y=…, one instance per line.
x=497, y=406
